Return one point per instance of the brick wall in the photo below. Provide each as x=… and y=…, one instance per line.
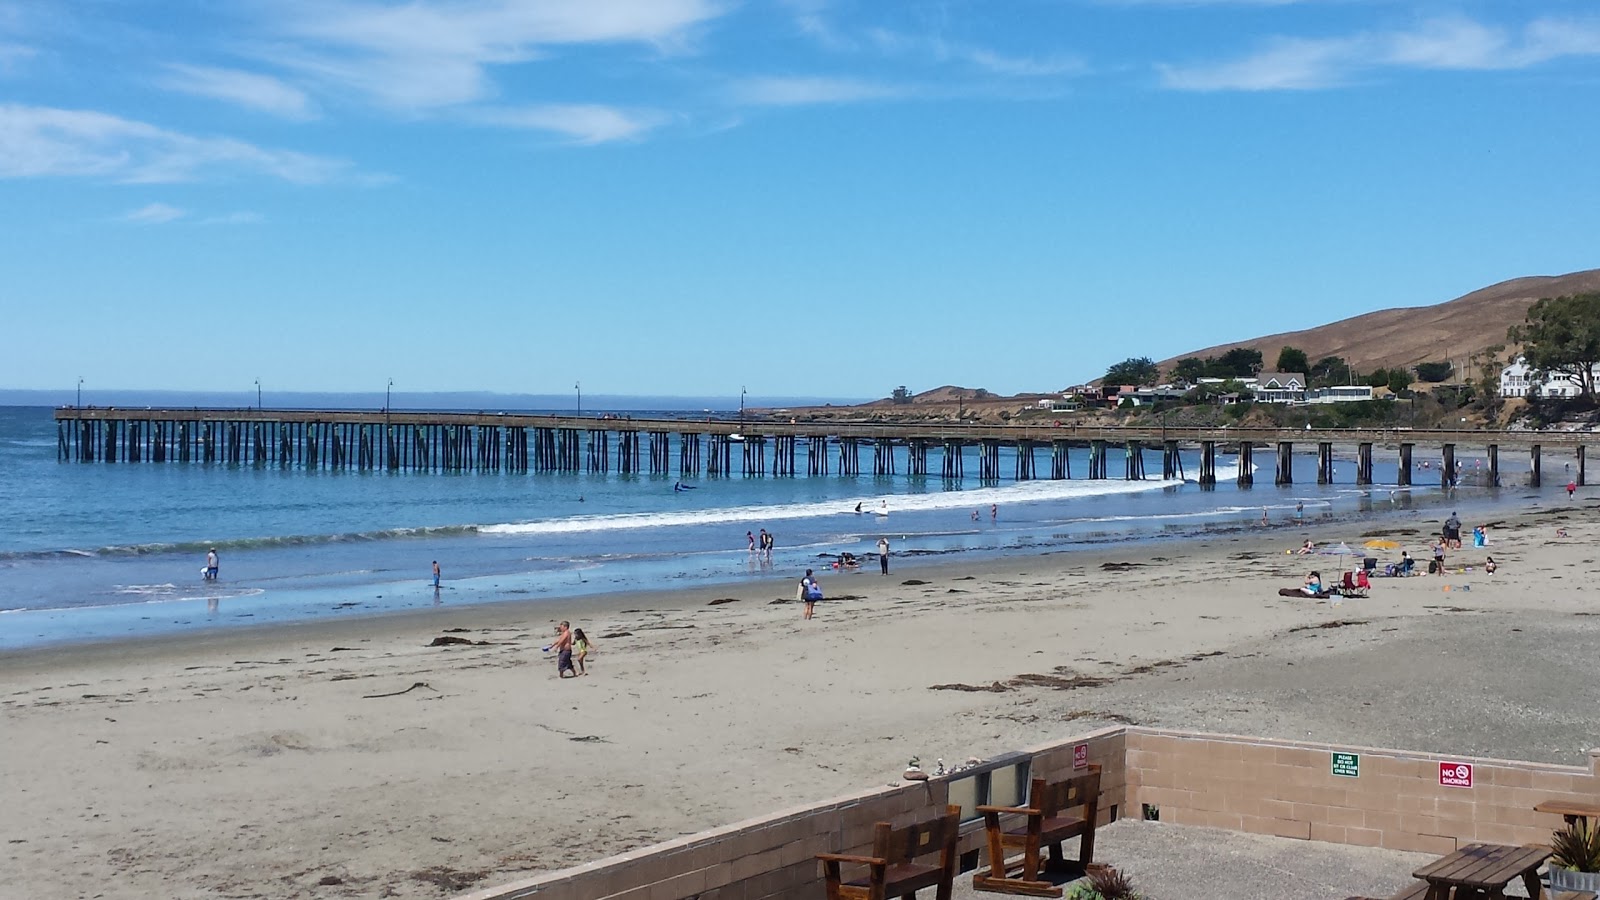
x=773, y=857
x=1288, y=788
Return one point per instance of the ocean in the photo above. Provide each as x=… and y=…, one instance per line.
x=102, y=551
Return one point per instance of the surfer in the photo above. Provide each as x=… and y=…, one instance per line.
x=681, y=487
x=883, y=508
x=858, y=507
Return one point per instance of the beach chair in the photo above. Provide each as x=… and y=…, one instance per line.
x=892, y=870
x=1056, y=812
x=1354, y=584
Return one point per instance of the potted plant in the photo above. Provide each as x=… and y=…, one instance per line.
x=1575, y=858
x=1104, y=883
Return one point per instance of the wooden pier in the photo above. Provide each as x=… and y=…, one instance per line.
x=391, y=440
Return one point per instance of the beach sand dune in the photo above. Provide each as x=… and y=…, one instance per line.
x=354, y=759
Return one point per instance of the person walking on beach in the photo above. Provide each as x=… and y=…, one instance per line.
x=1572, y=488
x=766, y=543
x=1438, y=555
x=994, y=512
x=883, y=554
x=211, y=564
x=750, y=536
x=580, y=649
x=563, y=648
x=436, y=574
x=809, y=593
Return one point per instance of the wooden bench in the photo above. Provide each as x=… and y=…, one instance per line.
x=892, y=870
x=1056, y=812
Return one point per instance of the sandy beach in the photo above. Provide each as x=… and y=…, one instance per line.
x=353, y=759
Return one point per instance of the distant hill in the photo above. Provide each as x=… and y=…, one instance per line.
x=1407, y=336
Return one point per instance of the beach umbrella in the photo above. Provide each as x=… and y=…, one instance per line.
x=1381, y=544
x=1342, y=551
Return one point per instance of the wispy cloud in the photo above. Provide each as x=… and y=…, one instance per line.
x=39, y=141
x=1025, y=66
x=427, y=54
x=809, y=90
x=811, y=19
x=582, y=123
x=153, y=214
x=1440, y=44
x=14, y=55
x=259, y=92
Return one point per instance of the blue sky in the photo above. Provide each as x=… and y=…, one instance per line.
x=814, y=197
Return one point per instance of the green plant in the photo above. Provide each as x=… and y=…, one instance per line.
x=1576, y=847
x=1105, y=884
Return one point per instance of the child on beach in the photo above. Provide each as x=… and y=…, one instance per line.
x=580, y=649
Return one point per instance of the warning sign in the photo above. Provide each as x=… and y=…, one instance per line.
x=1347, y=765
x=1080, y=756
x=1453, y=774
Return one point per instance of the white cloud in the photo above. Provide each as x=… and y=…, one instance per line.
x=38, y=141
x=154, y=214
x=1024, y=66
x=1285, y=64
x=1453, y=43
x=431, y=53
x=13, y=55
x=809, y=90
x=259, y=92
x=583, y=123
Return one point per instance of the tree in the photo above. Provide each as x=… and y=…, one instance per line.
x=1562, y=334
x=1380, y=377
x=901, y=395
x=1399, y=380
x=1293, y=360
x=1434, y=372
x=1133, y=370
x=1330, y=370
x=1189, y=369
x=1240, y=362
x=1486, y=365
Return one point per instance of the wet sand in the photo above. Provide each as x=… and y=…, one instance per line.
x=352, y=759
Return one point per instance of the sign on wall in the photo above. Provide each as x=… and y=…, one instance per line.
x=1080, y=756
x=1347, y=765
x=1453, y=774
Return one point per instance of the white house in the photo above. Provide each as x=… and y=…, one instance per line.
x=1278, y=387
x=1520, y=380
x=1340, y=393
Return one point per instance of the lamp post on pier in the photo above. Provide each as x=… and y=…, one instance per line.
x=578, y=386
x=386, y=394
x=258, y=395
x=80, y=393
x=741, y=407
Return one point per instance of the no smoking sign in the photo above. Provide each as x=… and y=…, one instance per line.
x=1454, y=774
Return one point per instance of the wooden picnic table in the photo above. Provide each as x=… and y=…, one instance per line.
x=1570, y=811
x=1482, y=871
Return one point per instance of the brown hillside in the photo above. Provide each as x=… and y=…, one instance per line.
x=1404, y=337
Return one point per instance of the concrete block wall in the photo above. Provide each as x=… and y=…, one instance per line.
x=773, y=857
x=1288, y=788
